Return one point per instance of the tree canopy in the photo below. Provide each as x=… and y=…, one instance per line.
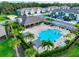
x=10, y=8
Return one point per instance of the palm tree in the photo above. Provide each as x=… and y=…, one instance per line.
x=21, y=28
x=30, y=52
x=15, y=32
x=15, y=44
x=47, y=43
x=25, y=44
x=30, y=36
x=12, y=28
x=8, y=28
x=43, y=43
x=18, y=26
x=16, y=29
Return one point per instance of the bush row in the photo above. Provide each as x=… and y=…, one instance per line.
x=56, y=51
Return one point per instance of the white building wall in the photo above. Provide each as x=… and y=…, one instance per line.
x=67, y=14
x=43, y=10
x=78, y=17
x=36, y=9
x=32, y=11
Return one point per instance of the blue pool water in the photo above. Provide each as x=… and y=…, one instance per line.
x=50, y=34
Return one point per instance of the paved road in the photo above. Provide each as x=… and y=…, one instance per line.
x=20, y=51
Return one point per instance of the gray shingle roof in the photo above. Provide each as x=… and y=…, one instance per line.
x=32, y=20
x=67, y=11
x=64, y=24
x=36, y=43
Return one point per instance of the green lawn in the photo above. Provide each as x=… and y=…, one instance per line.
x=5, y=49
x=73, y=51
x=2, y=17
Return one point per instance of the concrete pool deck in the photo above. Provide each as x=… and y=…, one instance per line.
x=36, y=29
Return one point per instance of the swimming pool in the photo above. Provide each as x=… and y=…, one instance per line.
x=50, y=34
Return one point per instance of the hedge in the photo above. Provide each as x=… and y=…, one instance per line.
x=58, y=51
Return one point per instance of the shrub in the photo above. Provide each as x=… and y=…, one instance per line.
x=77, y=25
x=57, y=52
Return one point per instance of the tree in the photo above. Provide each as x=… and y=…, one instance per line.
x=16, y=29
x=13, y=29
x=30, y=52
x=77, y=25
x=18, y=26
x=15, y=44
x=67, y=42
x=43, y=44
x=47, y=43
x=15, y=32
x=21, y=37
x=30, y=36
x=8, y=28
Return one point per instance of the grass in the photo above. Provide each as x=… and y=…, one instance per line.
x=6, y=50
x=2, y=17
x=73, y=51
x=69, y=35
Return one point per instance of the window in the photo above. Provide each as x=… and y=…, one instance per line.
x=40, y=11
x=29, y=13
x=35, y=12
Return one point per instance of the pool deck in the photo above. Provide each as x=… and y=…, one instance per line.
x=36, y=29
